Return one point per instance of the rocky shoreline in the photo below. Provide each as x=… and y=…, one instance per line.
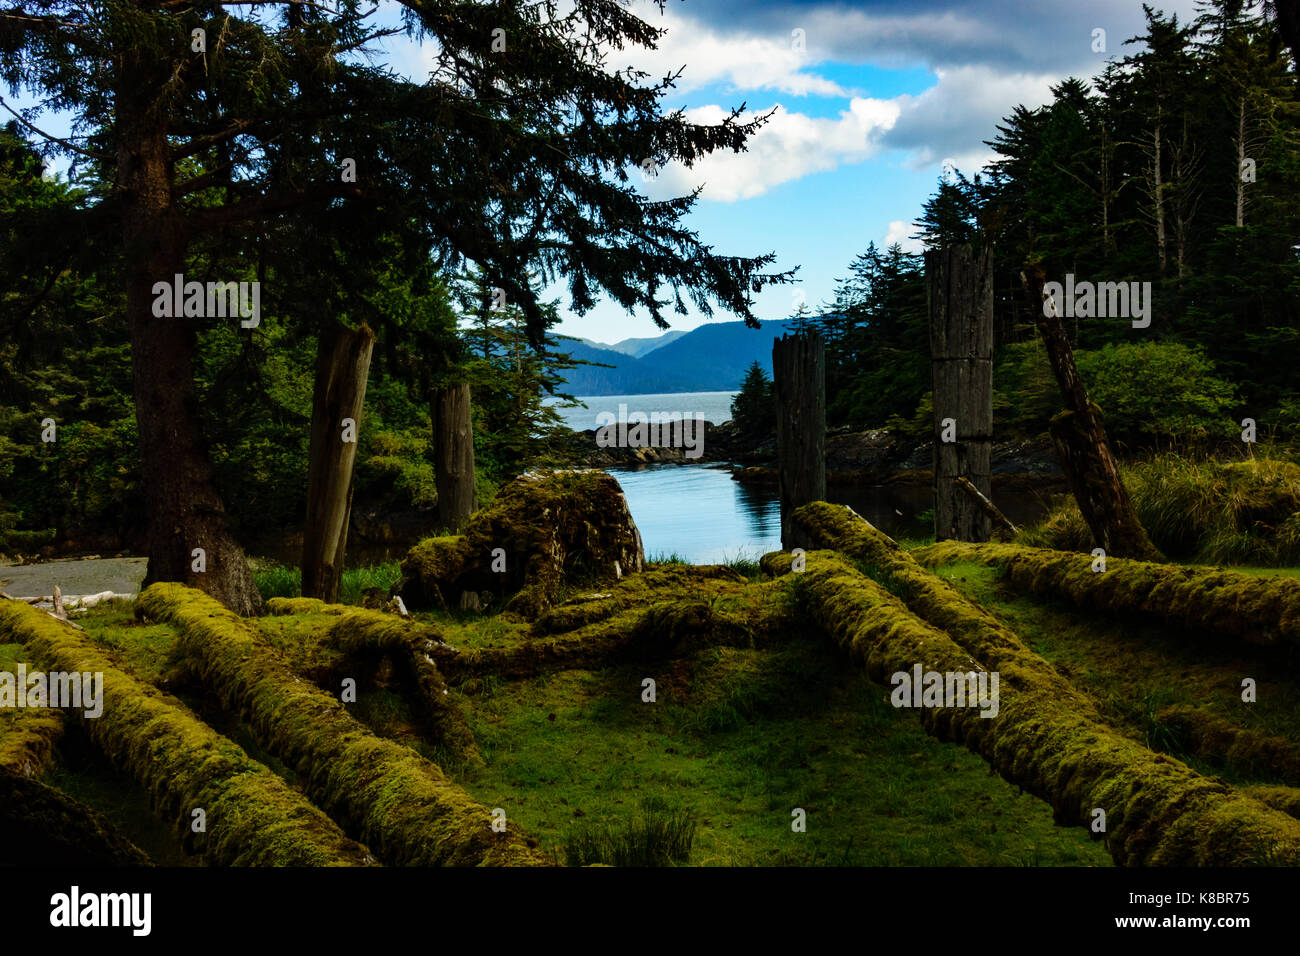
x=853, y=457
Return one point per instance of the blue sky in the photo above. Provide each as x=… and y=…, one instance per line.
x=881, y=93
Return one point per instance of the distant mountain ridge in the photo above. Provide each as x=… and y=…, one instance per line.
x=711, y=358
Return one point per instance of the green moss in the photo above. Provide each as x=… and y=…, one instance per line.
x=550, y=528
x=253, y=817
x=1046, y=737
x=1258, y=610
x=402, y=805
x=1220, y=741
x=27, y=739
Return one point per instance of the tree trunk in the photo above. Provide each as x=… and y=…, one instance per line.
x=1241, y=158
x=799, y=383
x=184, y=511
x=1159, y=192
x=1081, y=444
x=961, y=348
x=453, y=455
x=342, y=367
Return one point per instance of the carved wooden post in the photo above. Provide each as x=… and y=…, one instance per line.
x=453, y=455
x=799, y=380
x=961, y=347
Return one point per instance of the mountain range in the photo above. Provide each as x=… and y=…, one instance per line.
x=711, y=358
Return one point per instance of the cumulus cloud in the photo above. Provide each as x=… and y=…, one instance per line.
x=725, y=53
x=951, y=119
x=901, y=232
x=790, y=146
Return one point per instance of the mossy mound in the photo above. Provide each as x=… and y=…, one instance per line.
x=1245, y=512
x=544, y=530
x=27, y=739
x=1257, y=610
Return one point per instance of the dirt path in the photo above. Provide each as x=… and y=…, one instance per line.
x=74, y=576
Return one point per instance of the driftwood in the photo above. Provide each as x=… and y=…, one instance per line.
x=988, y=507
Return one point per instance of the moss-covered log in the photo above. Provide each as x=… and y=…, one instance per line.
x=1049, y=741
x=1220, y=741
x=252, y=816
x=1258, y=610
x=42, y=826
x=656, y=584
x=415, y=648
x=27, y=739
x=543, y=529
x=402, y=805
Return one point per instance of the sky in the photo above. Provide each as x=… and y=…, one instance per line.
x=872, y=98
x=881, y=94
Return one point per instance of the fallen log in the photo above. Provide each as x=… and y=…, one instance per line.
x=361, y=633
x=1257, y=610
x=402, y=805
x=1220, y=741
x=44, y=827
x=253, y=817
x=1046, y=736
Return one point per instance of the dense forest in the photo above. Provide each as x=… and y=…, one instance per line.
x=1179, y=166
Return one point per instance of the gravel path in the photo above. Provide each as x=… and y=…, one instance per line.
x=73, y=576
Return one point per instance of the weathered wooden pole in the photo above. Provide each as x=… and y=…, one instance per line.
x=961, y=349
x=799, y=382
x=453, y=454
x=1080, y=439
x=342, y=368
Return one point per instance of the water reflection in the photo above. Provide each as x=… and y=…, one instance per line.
x=700, y=514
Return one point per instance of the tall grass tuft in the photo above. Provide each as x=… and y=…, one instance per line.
x=658, y=835
x=278, y=580
x=1210, y=512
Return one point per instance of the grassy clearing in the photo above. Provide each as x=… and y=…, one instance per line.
x=737, y=740
x=278, y=580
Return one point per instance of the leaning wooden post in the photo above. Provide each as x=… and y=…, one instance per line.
x=799, y=381
x=1080, y=439
x=961, y=349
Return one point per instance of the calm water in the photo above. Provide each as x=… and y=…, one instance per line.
x=700, y=514
x=714, y=406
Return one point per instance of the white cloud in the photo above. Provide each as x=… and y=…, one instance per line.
x=901, y=232
x=791, y=146
x=951, y=119
x=746, y=60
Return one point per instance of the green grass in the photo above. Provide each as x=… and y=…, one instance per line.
x=659, y=835
x=278, y=580
x=736, y=741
